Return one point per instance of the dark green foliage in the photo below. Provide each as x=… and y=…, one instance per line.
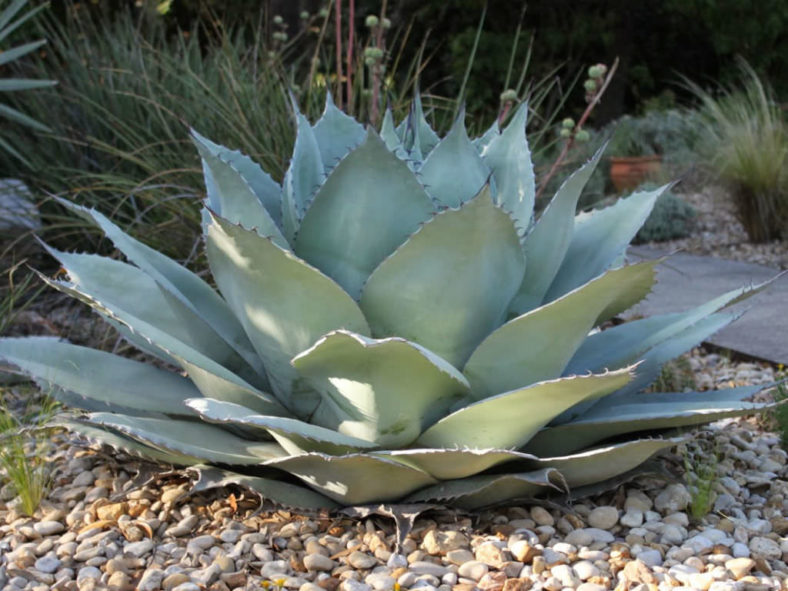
x=671, y=218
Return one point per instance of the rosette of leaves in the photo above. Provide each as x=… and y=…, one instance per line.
x=391, y=325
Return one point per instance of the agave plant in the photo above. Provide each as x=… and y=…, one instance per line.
x=393, y=326
x=10, y=21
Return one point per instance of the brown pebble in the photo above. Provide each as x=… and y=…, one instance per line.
x=517, y=585
x=112, y=511
x=234, y=580
x=329, y=584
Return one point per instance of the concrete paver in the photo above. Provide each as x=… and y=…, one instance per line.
x=685, y=281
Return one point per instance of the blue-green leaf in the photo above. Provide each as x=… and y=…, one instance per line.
x=191, y=438
x=302, y=178
x=509, y=158
x=510, y=419
x=546, y=245
x=537, y=346
x=284, y=304
x=599, y=238
x=646, y=412
x=336, y=134
x=491, y=489
x=367, y=207
x=454, y=172
x=384, y=391
x=355, y=479
x=450, y=284
x=293, y=435
x=99, y=376
x=238, y=187
x=177, y=280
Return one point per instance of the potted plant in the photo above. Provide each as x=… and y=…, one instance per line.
x=635, y=154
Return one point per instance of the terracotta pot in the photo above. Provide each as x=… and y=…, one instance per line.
x=627, y=172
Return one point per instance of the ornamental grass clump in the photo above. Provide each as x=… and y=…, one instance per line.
x=391, y=325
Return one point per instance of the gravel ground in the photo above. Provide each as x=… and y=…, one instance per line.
x=718, y=233
x=98, y=529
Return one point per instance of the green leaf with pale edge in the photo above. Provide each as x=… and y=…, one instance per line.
x=189, y=288
x=596, y=465
x=355, y=479
x=232, y=176
x=490, y=489
x=293, y=435
x=599, y=238
x=96, y=434
x=450, y=464
x=336, y=134
x=383, y=391
x=645, y=412
x=208, y=373
x=281, y=493
x=19, y=117
x=509, y=158
x=127, y=289
x=546, y=245
x=302, y=178
x=198, y=440
x=537, y=345
x=652, y=361
x=510, y=419
x=626, y=343
x=388, y=132
x=423, y=136
x=450, y=284
x=367, y=207
x=481, y=142
x=454, y=172
x=98, y=375
x=284, y=304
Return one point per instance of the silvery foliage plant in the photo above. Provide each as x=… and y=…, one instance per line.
x=392, y=324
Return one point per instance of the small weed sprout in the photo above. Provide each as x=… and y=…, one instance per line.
x=780, y=413
x=700, y=473
x=23, y=446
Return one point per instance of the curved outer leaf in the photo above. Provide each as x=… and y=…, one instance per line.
x=198, y=440
x=302, y=178
x=284, y=304
x=454, y=172
x=602, y=463
x=98, y=435
x=281, y=493
x=537, y=346
x=355, y=479
x=652, y=361
x=189, y=288
x=510, y=419
x=509, y=158
x=98, y=375
x=646, y=412
x=203, y=371
x=625, y=343
x=481, y=142
x=294, y=436
x=336, y=134
x=384, y=391
x=388, y=132
x=367, y=207
x=490, y=489
x=237, y=185
x=600, y=238
x=450, y=284
x=546, y=245
x=419, y=133
x=127, y=289
x=451, y=464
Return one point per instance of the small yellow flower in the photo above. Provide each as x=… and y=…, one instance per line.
x=265, y=584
